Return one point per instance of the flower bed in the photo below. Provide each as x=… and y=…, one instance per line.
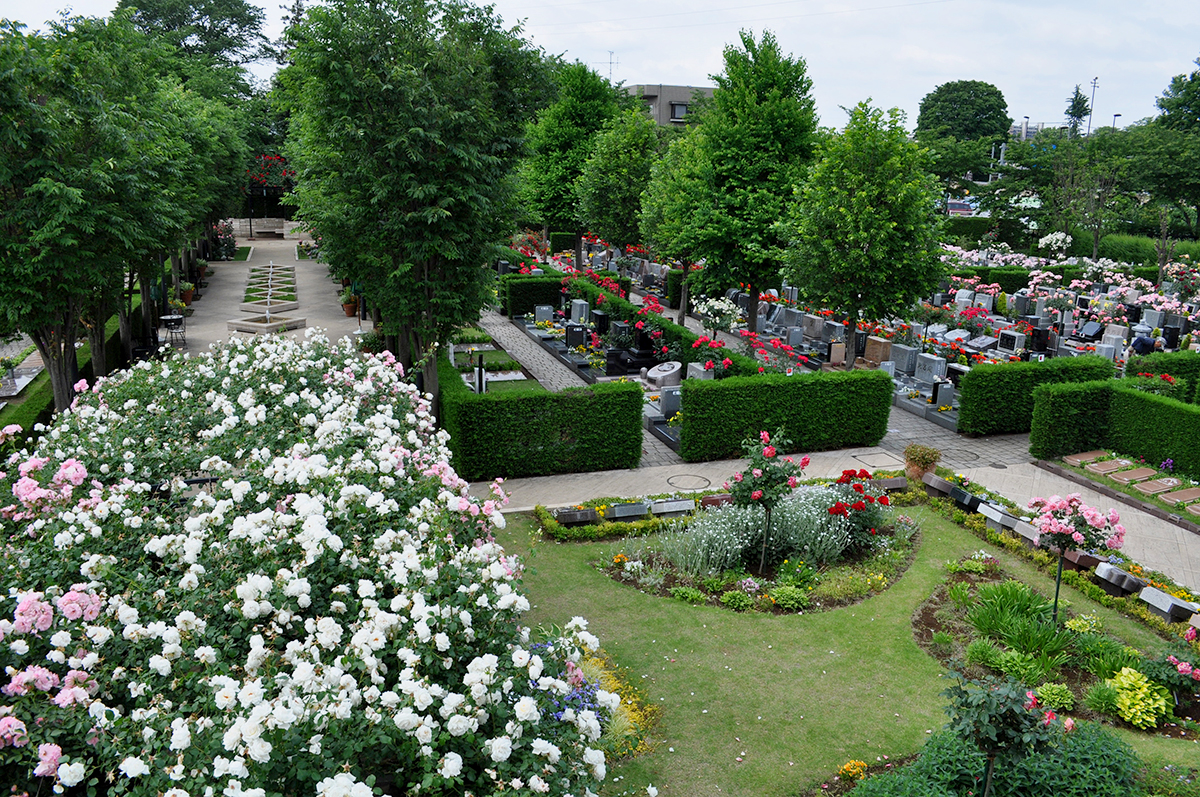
x=328, y=613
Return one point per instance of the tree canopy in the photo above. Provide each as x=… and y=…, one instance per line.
x=407, y=119
x=863, y=229
x=1180, y=102
x=221, y=31
x=616, y=173
x=759, y=135
x=968, y=110
x=1077, y=110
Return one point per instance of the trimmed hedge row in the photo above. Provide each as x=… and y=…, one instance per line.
x=523, y=292
x=597, y=531
x=996, y=398
x=674, y=287
x=973, y=228
x=1180, y=364
x=817, y=411
x=1069, y=418
x=1134, y=422
x=527, y=433
x=562, y=242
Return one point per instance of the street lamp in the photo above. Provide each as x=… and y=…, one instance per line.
x=1115, y=115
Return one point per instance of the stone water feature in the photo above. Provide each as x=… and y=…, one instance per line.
x=266, y=284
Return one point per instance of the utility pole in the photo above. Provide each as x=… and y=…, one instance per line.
x=1092, y=107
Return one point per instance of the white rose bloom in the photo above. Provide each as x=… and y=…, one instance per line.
x=520, y=657
x=181, y=736
x=595, y=760
x=441, y=640
x=500, y=748
x=451, y=765
x=538, y=785
x=206, y=654
x=160, y=665
x=71, y=774
x=61, y=639
x=527, y=710
x=459, y=725
x=259, y=750
x=133, y=767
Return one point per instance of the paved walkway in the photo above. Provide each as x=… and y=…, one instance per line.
x=1001, y=463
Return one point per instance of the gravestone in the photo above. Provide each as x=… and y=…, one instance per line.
x=930, y=368
x=984, y=300
x=1132, y=296
x=1117, y=329
x=698, y=371
x=956, y=336
x=743, y=303
x=1167, y=606
x=601, y=320
x=620, y=329
x=626, y=511
x=579, y=311
x=1116, y=341
x=1040, y=306
x=791, y=294
x=964, y=295
x=1152, y=318
x=789, y=317
x=943, y=394
x=983, y=343
x=537, y=272
x=673, y=507
x=905, y=358
x=503, y=267
x=669, y=401
x=813, y=325
x=665, y=374
x=833, y=331
x=1106, y=351
x=543, y=312
x=1020, y=304
x=889, y=368
x=1171, y=336
x=795, y=336
x=878, y=349
x=576, y=335
x=955, y=372
x=837, y=353
x=936, y=330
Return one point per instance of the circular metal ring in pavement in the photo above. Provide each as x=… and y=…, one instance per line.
x=687, y=481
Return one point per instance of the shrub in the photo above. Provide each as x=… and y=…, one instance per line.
x=1180, y=364
x=1069, y=418
x=994, y=398
x=803, y=527
x=1155, y=427
x=1140, y=702
x=713, y=541
x=737, y=600
x=788, y=598
x=1056, y=696
x=984, y=653
x=1101, y=698
x=688, y=594
x=1175, y=387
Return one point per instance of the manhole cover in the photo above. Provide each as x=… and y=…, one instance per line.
x=881, y=459
x=687, y=481
x=998, y=466
x=959, y=454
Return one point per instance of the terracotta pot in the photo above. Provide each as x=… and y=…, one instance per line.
x=186, y=296
x=351, y=309
x=914, y=472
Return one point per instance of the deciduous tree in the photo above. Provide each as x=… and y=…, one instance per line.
x=1180, y=102
x=968, y=110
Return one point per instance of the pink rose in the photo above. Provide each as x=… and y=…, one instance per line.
x=792, y=481
x=757, y=473
x=757, y=494
x=737, y=477
x=48, y=755
x=769, y=452
x=765, y=437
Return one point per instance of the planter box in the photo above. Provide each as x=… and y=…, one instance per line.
x=576, y=517
x=676, y=508
x=626, y=511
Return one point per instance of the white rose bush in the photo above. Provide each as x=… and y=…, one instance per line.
x=255, y=572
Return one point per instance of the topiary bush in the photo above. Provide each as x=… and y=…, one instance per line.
x=1069, y=418
x=994, y=398
x=1179, y=364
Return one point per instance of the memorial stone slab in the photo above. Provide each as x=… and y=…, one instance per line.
x=665, y=374
x=627, y=511
x=576, y=335
x=1109, y=466
x=1105, y=350
x=1135, y=475
x=943, y=394
x=1152, y=318
x=1028, y=533
x=673, y=508
x=983, y=343
x=1020, y=304
x=576, y=517
x=1078, y=460
x=579, y=311
x=1181, y=496
x=1116, y=341
x=813, y=325
x=1117, y=329
x=878, y=349
x=669, y=401
x=833, y=331
x=956, y=336
x=1163, y=485
x=795, y=336
x=837, y=353
x=698, y=371
x=1167, y=606
x=964, y=295
x=930, y=367
x=1132, y=295
x=537, y=272
x=889, y=368
x=601, y=320
x=1117, y=582
x=713, y=501
x=543, y=312
x=905, y=358
x=621, y=329
x=984, y=300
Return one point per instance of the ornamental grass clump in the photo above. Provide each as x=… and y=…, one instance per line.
x=329, y=611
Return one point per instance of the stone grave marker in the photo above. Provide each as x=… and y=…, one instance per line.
x=673, y=508
x=1117, y=329
x=813, y=325
x=889, y=368
x=665, y=374
x=1167, y=606
x=601, y=320
x=1117, y=582
x=878, y=349
x=1106, y=351
x=576, y=335
x=543, y=312
x=1078, y=460
x=1132, y=296
x=1181, y=496
x=983, y=343
x=905, y=358
x=630, y=511
x=837, y=353
x=1131, y=476
x=1116, y=341
x=930, y=367
x=795, y=336
x=1109, y=466
x=832, y=331
x=579, y=311
x=576, y=517
x=1163, y=485
x=537, y=272
x=698, y=371
x=1020, y=304
x=943, y=394
x=984, y=300
x=669, y=401
x=1152, y=318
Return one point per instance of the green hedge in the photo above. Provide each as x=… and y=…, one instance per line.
x=1069, y=418
x=1128, y=249
x=817, y=411
x=525, y=433
x=523, y=292
x=1183, y=364
x=562, y=242
x=598, y=531
x=997, y=398
x=1155, y=427
x=973, y=228
x=1011, y=280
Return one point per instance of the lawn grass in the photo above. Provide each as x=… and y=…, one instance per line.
x=509, y=386
x=243, y=254
x=794, y=696
x=1129, y=490
x=467, y=360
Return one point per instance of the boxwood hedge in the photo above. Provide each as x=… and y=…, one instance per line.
x=1069, y=418
x=1184, y=364
x=997, y=398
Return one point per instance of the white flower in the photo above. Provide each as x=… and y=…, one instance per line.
x=527, y=709
x=500, y=748
x=595, y=760
x=61, y=639
x=451, y=765
x=160, y=665
x=207, y=654
x=133, y=767
x=71, y=774
x=538, y=785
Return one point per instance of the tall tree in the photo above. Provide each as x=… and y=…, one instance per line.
x=674, y=206
x=560, y=142
x=967, y=110
x=863, y=230
x=407, y=119
x=616, y=173
x=1180, y=102
x=1165, y=163
x=219, y=31
x=759, y=134
x=1077, y=110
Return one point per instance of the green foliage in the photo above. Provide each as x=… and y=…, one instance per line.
x=1180, y=102
x=1180, y=364
x=1130, y=249
x=819, y=411
x=562, y=242
x=1069, y=418
x=758, y=135
x=596, y=531
x=984, y=653
x=561, y=140
x=1155, y=427
x=1026, y=668
x=1101, y=698
x=1178, y=388
x=616, y=172
x=788, y=598
x=1056, y=696
x=674, y=204
x=527, y=434
x=688, y=595
x=737, y=600
x=969, y=110
x=1077, y=110
x=994, y=398
x=1010, y=280
x=523, y=292
x=990, y=714
x=1140, y=702
x=969, y=230
x=863, y=231
x=674, y=286
x=959, y=594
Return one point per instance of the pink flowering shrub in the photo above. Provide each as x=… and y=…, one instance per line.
x=1067, y=524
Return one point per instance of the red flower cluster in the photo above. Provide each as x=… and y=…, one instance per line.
x=1170, y=380
x=712, y=344
x=270, y=171
x=850, y=475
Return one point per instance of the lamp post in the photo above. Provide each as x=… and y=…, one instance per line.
x=1115, y=115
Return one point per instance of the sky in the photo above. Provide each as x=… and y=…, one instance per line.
x=889, y=51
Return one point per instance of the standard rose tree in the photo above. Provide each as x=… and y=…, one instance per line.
x=767, y=480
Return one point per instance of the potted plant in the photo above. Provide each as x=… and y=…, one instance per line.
x=202, y=267
x=919, y=460
x=186, y=291
x=349, y=301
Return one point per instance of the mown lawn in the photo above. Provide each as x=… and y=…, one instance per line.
x=793, y=697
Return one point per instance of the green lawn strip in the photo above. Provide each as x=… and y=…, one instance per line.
x=1158, y=751
x=278, y=295
x=848, y=672
x=494, y=357
x=243, y=254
